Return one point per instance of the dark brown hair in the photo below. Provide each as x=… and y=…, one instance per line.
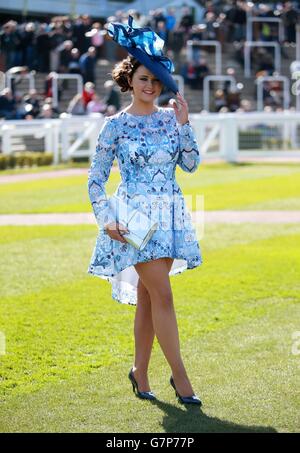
x=123, y=72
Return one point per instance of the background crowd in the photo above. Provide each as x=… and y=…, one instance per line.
x=66, y=45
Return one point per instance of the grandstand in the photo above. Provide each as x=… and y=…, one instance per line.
x=228, y=27
x=194, y=97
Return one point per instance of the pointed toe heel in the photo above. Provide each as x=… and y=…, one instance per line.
x=185, y=399
x=142, y=395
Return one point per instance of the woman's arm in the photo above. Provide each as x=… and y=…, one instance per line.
x=99, y=172
x=189, y=155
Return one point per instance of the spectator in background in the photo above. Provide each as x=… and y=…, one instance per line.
x=211, y=26
x=81, y=26
x=224, y=109
x=233, y=99
x=96, y=36
x=187, y=20
x=47, y=112
x=76, y=105
x=48, y=90
x=65, y=56
x=290, y=19
x=29, y=57
x=112, y=96
x=57, y=37
x=158, y=16
x=197, y=33
x=219, y=100
x=87, y=63
x=161, y=29
x=21, y=108
x=170, y=26
x=55, y=110
x=201, y=71
x=96, y=105
x=245, y=106
x=74, y=66
x=32, y=99
x=272, y=93
x=7, y=105
x=24, y=108
x=265, y=34
x=43, y=48
x=236, y=17
x=227, y=84
x=177, y=43
x=64, y=51
x=239, y=53
x=67, y=25
x=18, y=30
x=188, y=72
x=9, y=41
x=88, y=93
x=262, y=60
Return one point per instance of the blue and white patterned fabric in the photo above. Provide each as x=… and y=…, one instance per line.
x=147, y=149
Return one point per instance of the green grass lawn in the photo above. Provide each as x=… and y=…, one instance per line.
x=223, y=186
x=69, y=345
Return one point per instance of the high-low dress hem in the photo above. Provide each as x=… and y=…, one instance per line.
x=126, y=293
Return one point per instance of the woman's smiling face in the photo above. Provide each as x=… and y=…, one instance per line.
x=146, y=86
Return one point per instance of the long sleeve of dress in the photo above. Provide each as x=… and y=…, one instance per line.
x=99, y=172
x=189, y=154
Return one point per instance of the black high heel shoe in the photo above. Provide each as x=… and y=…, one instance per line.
x=142, y=395
x=185, y=399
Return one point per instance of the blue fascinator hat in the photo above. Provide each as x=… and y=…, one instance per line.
x=146, y=46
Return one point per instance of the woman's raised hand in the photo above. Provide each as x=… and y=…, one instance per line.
x=181, y=109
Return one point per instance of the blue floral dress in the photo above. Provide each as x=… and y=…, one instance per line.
x=147, y=148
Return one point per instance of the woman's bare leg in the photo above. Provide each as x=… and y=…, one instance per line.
x=144, y=337
x=144, y=334
x=155, y=277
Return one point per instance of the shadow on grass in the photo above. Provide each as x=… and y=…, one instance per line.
x=192, y=419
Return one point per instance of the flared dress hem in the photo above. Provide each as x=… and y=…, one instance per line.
x=128, y=295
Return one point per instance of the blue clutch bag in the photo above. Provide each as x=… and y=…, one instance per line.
x=140, y=226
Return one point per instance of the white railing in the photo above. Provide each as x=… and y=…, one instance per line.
x=37, y=128
x=253, y=134
x=251, y=20
x=222, y=135
x=286, y=90
x=247, y=55
x=56, y=77
x=30, y=76
x=85, y=129
x=65, y=137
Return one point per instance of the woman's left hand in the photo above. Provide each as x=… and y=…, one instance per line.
x=181, y=109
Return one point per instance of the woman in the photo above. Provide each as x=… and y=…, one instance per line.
x=148, y=143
